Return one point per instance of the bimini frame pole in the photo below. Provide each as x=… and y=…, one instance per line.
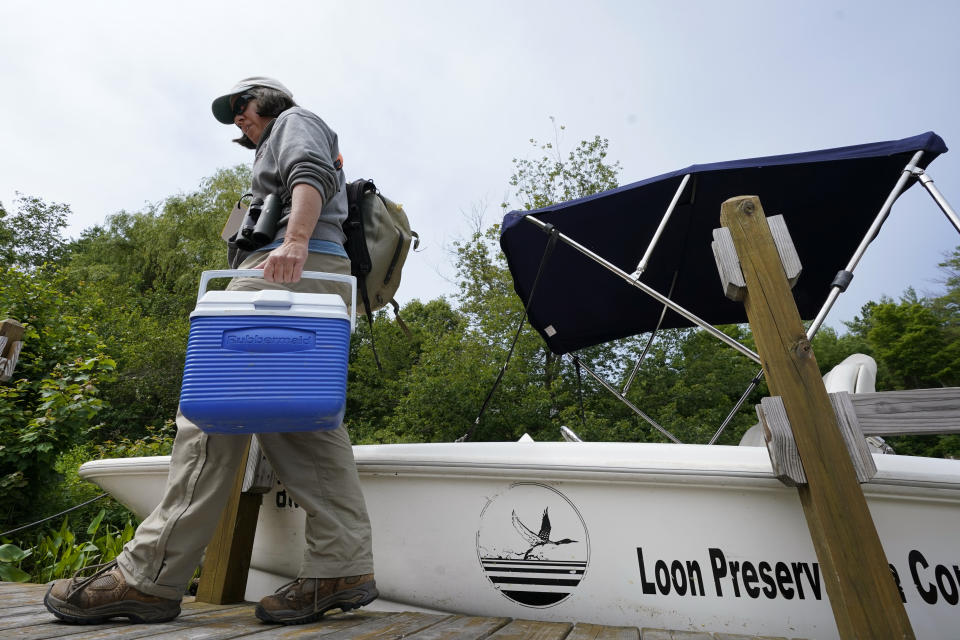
x=843, y=278
x=609, y=387
x=653, y=293
x=842, y=281
x=653, y=334
x=931, y=188
x=642, y=265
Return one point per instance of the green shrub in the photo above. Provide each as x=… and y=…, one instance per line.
x=10, y=558
x=61, y=553
x=72, y=490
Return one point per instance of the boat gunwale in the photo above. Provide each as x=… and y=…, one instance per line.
x=684, y=465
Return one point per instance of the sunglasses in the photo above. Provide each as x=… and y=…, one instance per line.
x=241, y=103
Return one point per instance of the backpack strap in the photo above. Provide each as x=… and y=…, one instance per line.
x=403, y=325
x=356, y=247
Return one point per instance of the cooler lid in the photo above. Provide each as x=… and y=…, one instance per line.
x=271, y=302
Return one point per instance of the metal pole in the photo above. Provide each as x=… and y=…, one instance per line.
x=931, y=188
x=642, y=266
x=622, y=399
x=653, y=293
x=746, y=394
x=867, y=239
x=653, y=334
x=636, y=367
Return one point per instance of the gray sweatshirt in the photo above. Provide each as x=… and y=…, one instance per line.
x=298, y=147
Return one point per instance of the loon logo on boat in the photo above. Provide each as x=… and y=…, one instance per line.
x=533, y=544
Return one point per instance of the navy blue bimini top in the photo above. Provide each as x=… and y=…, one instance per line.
x=829, y=199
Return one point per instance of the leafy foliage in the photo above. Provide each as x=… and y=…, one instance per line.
x=550, y=178
x=54, y=399
x=152, y=260
x=32, y=236
x=10, y=558
x=62, y=553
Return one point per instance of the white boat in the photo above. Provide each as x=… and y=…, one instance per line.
x=662, y=535
x=674, y=536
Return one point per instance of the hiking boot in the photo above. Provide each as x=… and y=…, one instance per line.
x=105, y=595
x=307, y=599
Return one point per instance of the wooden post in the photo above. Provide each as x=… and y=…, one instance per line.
x=11, y=339
x=862, y=592
x=223, y=579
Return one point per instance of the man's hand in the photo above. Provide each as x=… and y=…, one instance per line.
x=285, y=263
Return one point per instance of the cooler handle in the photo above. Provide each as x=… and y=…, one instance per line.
x=207, y=276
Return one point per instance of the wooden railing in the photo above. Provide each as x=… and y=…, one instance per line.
x=11, y=339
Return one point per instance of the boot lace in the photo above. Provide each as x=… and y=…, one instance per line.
x=299, y=582
x=99, y=570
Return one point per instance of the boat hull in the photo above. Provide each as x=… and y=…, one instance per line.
x=667, y=536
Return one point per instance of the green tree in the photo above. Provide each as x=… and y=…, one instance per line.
x=912, y=341
x=151, y=261
x=454, y=374
x=551, y=178
x=33, y=235
x=374, y=394
x=154, y=258
x=54, y=400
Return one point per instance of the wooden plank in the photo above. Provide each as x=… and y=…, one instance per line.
x=22, y=588
x=370, y=627
x=914, y=412
x=533, y=630
x=862, y=593
x=853, y=437
x=11, y=329
x=789, y=259
x=666, y=634
x=780, y=443
x=223, y=578
x=585, y=631
x=782, y=447
x=19, y=586
x=38, y=616
x=18, y=609
x=214, y=625
x=209, y=625
x=11, y=341
x=16, y=599
x=258, y=476
x=120, y=630
x=461, y=628
x=725, y=255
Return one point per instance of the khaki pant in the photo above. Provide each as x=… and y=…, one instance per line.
x=316, y=467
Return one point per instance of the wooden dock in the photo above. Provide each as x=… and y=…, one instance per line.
x=23, y=617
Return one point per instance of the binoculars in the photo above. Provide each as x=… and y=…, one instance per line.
x=260, y=224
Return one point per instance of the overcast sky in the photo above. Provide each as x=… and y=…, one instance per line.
x=106, y=105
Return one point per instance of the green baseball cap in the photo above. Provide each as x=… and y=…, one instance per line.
x=221, y=106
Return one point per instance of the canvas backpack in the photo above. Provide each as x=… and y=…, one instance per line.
x=378, y=241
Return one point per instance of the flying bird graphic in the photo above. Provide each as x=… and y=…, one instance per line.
x=536, y=539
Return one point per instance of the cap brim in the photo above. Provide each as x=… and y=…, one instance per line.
x=222, y=110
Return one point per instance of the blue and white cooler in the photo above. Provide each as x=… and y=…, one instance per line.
x=264, y=361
